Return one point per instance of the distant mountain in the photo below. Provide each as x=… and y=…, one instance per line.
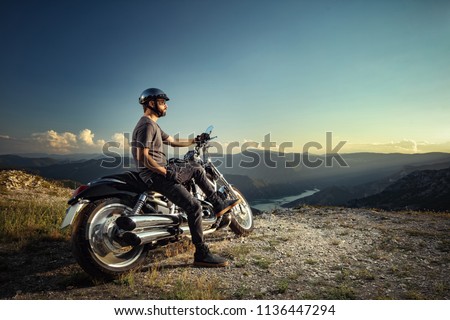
x=340, y=195
x=277, y=168
x=256, y=189
x=330, y=196
x=10, y=161
x=83, y=171
x=419, y=190
x=264, y=175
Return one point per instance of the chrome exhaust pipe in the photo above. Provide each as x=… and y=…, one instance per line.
x=129, y=223
x=130, y=238
x=143, y=229
x=141, y=238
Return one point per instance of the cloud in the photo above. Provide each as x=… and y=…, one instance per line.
x=122, y=139
x=52, y=141
x=66, y=142
x=424, y=147
x=118, y=144
x=55, y=142
x=59, y=142
x=87, y=137
x=403, y=146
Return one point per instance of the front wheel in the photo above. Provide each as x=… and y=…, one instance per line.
x=93, y=242
x=241, y=216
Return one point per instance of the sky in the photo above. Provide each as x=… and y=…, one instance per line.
x=376, y=74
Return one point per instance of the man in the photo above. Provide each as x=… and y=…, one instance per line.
x=147, y=149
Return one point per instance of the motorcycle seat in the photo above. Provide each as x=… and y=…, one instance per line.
x=131, y=178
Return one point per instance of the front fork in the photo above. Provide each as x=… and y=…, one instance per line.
x=226, y=188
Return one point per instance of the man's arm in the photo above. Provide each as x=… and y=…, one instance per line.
x=144, y=157
x=171, y=141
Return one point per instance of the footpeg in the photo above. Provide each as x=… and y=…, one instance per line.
x=222, y=222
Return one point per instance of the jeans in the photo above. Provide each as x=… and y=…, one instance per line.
x=180, y=196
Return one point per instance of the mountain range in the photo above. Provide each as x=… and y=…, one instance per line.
x=419, y=190
x=267, y=175
x=344, y=195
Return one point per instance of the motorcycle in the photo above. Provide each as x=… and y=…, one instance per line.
x=116, y=220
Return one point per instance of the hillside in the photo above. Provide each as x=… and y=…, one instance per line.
x=303, y=253
x=420, y=190
x=14, y=182
x=412, y=188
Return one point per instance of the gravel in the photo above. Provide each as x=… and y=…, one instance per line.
x=303, y=253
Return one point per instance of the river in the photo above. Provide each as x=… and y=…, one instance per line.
x=270, y=204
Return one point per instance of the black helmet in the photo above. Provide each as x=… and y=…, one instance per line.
x=152, y=94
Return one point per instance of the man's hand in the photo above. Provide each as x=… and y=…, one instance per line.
x=172, y=175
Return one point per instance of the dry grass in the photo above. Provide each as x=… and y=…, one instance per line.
x=32, y=213
x=186, y=287
x=25, y=219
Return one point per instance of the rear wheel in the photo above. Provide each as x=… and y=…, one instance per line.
x=93, y=243
x=241, y=216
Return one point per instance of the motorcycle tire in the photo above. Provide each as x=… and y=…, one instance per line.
x=241, y=216
x=92, y=242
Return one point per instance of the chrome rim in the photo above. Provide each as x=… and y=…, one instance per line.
x=105, y=250
x=242, y=213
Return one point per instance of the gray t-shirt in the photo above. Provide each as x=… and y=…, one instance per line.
x=148, y=134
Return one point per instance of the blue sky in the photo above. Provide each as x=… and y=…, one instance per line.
x=375, y=73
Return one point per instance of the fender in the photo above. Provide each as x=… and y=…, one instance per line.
x=127, y=184
x=97, y=189
x=105, y=187
x=72, y=213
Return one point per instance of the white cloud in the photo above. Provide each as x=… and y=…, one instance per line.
x=66, y=142
x=119, y=143
x=424, y=147
x=87, y=137
x=403, y=146
x=59, y=142
x=122, y=139
x=85, y=142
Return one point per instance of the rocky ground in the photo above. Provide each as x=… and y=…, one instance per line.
x=305, y=253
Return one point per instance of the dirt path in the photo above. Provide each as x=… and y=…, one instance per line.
x=308, y=253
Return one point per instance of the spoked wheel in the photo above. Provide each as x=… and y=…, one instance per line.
x=93, y=243
x=241, y=216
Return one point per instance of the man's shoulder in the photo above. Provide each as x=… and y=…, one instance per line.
x=144, y=122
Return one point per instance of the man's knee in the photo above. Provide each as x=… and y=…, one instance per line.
x=199, y=171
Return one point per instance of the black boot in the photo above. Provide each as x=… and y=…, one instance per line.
x=222, y=206
x=204, y=258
